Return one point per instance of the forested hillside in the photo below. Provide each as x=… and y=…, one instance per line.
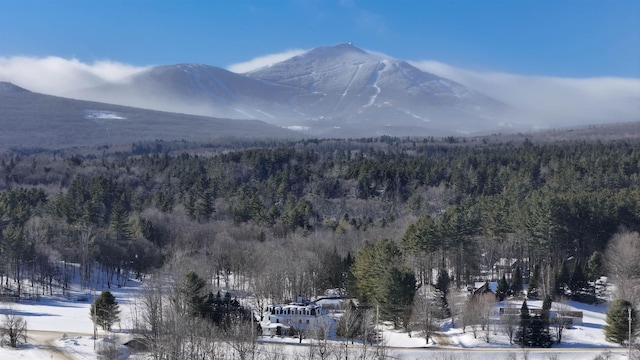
x=286, y=218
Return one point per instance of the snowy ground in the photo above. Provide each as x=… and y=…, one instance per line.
x=60, y=328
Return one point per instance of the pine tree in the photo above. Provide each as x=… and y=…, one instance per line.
x=516, y=282
x=539, y=332
x=442, y=285
x=105, y=311
x=379, y=279
x=563, y=279
x=503, y=288
x=617, y=328
x=402, y=290
x=595, y=266
x=192, y=296
x=546, y=308
x=523, y=335
x=578, y=283
x=533, y=331
x=532, y=291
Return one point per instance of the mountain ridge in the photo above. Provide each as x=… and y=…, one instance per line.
x=34, y=120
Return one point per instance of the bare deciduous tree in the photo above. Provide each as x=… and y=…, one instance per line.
x=426, y=311
x=241, y=337
x=621, y=261
x=13, y=329
x=486, y=305
x=456, y=300
x=510, y=319
x=561, y=320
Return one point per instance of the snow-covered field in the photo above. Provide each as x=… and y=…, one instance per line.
x=60, y=327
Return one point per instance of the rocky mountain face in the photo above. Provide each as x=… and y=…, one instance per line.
x=337, y=91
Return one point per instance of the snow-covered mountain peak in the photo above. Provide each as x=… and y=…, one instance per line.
x=336, y=51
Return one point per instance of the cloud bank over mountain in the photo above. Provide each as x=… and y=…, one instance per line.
x=570, y=101
x=549, y=101
x=59, y=76
x=262, y=61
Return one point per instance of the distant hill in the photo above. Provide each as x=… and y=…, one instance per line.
x=33, y=120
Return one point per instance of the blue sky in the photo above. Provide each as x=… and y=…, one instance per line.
x=579, y=39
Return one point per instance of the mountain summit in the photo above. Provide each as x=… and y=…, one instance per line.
x=337, y=91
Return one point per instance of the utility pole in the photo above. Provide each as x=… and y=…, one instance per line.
x=629, y=332
x=378, y=334
x=93, y=319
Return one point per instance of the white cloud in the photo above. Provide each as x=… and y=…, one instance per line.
x=58, y=76
x=561, y=101
x=263, y=61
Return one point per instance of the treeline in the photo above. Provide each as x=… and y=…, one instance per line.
x=289, y=218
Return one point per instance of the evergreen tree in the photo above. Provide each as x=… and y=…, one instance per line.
x=539, y=331
x=191, y=295
x=533, y=331
x=595, y=266
x=105, y=311
x=402, y=290
x=546, y=308
x=523, y=335
x=379, y=279
x=532, y=291
x=617, y=328
x=516, y=281
x=579, y=284
x=563, y=278
x=503, y=288
x=442, y=285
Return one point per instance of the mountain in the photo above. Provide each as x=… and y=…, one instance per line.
x=33, y=120
x=328, y=91
x=196, y=89
x=349, y=87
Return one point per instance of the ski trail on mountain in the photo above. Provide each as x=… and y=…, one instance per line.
x=373, y=81
x=346, y=90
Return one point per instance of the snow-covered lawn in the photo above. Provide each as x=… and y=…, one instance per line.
x=61, y=328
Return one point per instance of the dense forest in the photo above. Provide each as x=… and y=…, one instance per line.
x=281, y=219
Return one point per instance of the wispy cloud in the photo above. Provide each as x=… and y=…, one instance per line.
x=263, y=61
x=560, y=101
x=58, y=76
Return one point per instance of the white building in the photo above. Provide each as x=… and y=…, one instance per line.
x=302, y=315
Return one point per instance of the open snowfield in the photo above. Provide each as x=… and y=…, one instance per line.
x=59, y=327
